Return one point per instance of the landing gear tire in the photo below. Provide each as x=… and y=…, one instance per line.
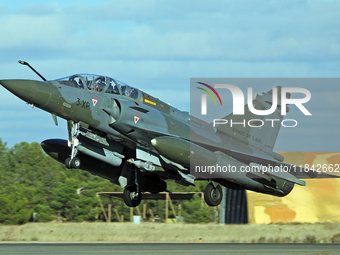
x=213, y=195
x=131, y=196
x=75, y=163
x=68, y=163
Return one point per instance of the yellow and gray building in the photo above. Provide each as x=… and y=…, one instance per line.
x=318, y=201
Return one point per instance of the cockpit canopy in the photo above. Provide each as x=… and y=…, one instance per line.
x=99, y=83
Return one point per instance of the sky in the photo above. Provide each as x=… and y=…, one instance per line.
x=158, y=46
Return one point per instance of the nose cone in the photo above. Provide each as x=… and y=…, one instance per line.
x=25, y=89
x=33, y=92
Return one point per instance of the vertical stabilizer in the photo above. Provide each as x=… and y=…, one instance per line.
x=260, y=131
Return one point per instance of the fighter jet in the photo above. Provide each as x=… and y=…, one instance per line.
x=137, y=141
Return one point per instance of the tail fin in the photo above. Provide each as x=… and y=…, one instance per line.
x=259, y=131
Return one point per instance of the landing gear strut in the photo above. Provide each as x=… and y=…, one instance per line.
x=132, y=195
x=213, y=194
x=73, y=142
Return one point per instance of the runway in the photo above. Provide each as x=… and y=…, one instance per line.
x=167, y=248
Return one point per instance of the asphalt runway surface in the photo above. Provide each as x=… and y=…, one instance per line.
x=168, y=248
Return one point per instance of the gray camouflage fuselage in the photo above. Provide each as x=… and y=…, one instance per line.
x=120, y=123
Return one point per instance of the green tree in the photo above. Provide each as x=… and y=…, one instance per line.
x=14, y=209
x=195, y=211
x=44, y=213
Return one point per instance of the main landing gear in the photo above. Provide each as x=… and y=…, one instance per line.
x=132, y=194
x=73, y=142
x=213, y=194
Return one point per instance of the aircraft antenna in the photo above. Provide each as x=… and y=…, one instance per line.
x=27, y=64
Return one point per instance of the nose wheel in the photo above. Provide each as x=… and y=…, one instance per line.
x=72, y=163
x=73, y=142
x=213, y=194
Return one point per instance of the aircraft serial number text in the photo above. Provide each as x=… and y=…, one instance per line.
x=82, y=103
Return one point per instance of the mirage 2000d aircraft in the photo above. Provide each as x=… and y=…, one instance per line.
x=137, y=141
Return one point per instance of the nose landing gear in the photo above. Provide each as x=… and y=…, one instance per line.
x=73, y=142
x=72, y=163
